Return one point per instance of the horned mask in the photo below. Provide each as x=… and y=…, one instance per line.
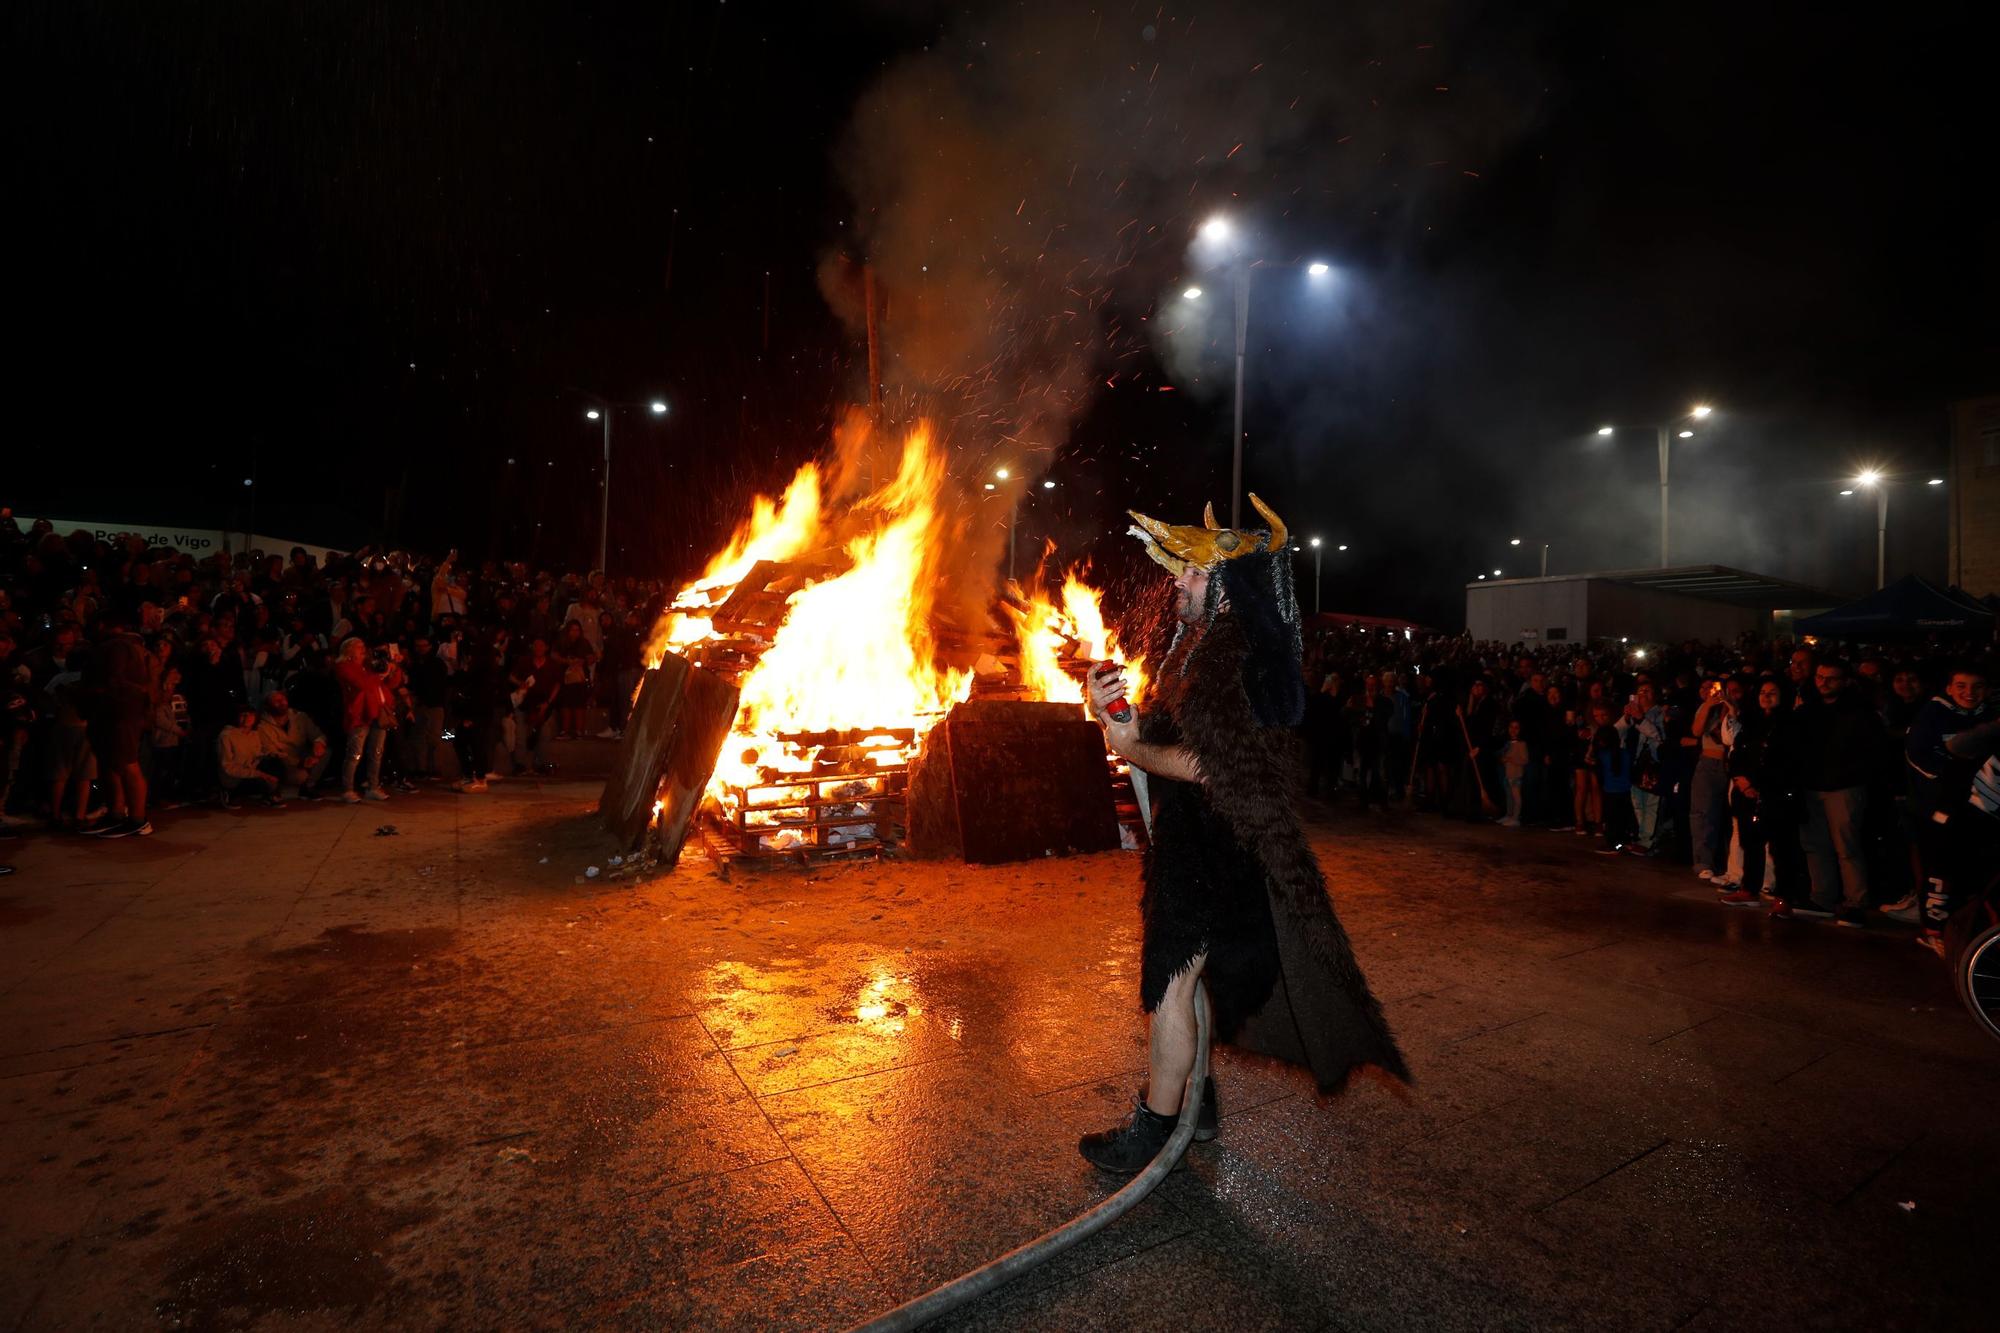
x=1175, y=548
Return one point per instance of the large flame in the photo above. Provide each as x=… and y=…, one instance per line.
x=1059, y=639
x=853, y=650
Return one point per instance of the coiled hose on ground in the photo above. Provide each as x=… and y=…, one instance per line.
x=942, y=1300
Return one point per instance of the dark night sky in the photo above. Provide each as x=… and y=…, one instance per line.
x=370, y=253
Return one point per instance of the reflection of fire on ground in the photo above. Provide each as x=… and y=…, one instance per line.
x=823, y=609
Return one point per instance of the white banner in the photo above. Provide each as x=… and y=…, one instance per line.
x=197, y=542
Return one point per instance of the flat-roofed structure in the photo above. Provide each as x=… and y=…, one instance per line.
x=1643, y=605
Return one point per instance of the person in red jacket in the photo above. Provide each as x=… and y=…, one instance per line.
x=364, y=694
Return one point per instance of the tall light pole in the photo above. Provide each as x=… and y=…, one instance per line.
x=1316, y=557
x=1218, y=232
x=602, y=414
x=1236, y=438
x=1000, y=475
x=1871, y=480
x=1545, y=555
x=1666, y=432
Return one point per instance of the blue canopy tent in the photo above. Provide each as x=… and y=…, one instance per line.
x=1908, y=606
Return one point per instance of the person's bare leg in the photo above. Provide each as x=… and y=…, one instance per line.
x=1172, y=1042
x=134, y=783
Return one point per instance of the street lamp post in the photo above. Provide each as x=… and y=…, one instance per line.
x=1872, y=480
x=1013, y=507
x=1218, y=231
x=1545, y=555
x=1316, y=558
x=1665, y=433
x=602, y=414
x=1236, y=450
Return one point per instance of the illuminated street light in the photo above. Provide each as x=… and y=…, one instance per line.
x=1048, y=485
x=1341, y=547
x=603, y=411
x=1317, y=555
x=1001, y=473
x=1872, y=479
x=1699, y=413
x=1496, y=573
x=989, y=485
x=1515, y=542
x=1220, y=244
x=1935, y=481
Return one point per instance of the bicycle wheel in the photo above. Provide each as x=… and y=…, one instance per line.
x=1978, y=978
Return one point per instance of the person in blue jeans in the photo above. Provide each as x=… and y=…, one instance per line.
x=1611, y=750
x=1646, y=719
x=1708, y=801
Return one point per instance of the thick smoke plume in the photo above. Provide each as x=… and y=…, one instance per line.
x=1025, y=189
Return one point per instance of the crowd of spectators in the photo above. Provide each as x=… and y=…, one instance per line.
x=139, y=679
x=1792, y=777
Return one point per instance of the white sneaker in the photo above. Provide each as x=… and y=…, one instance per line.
x=608, y=734
x=377, y=794
x=1705, y=874
x=1510, y=822
x=495, y=776
x=350, y=798
x=1909, y=911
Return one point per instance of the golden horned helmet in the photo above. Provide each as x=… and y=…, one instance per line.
x=1175, y=548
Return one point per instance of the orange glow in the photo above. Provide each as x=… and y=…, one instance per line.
x=1074, y=631
x=851, y=648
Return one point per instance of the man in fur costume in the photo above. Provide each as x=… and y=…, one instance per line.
x=1233, y=892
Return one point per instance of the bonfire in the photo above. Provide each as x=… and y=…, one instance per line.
x=824, y=610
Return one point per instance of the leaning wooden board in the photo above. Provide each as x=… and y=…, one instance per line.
x=678, y=725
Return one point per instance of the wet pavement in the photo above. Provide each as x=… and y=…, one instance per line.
x=272, y=1067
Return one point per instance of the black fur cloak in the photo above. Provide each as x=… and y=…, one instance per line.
x=1229, y=871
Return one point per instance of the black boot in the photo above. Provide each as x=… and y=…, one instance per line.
x=1208, y=1123
x=1128, y=1148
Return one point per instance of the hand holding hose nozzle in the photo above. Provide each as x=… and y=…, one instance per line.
x=1108, y=678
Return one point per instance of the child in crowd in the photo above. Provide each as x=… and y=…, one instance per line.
x=1514, y=763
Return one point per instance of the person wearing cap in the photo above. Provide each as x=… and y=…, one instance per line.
x=1233, y=892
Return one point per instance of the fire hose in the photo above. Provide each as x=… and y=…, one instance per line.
x=942, y=1300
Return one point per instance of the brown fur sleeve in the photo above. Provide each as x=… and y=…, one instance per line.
x=1250, y=772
